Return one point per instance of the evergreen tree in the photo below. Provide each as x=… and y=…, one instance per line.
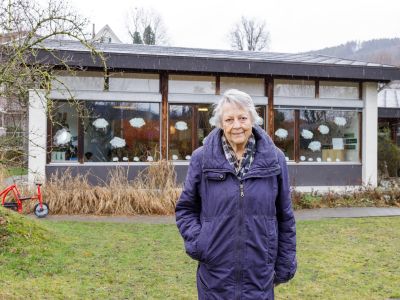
x=149, y=37
x=137, y=39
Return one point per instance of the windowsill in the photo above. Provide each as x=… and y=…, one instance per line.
x=337, y=163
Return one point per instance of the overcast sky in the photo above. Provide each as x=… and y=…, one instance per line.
x=295, y=25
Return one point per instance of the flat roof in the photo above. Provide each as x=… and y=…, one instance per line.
x=177, y=59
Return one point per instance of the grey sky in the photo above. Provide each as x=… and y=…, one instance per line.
x=294, y=25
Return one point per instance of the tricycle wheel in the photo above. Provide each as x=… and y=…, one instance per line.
x=41, y=212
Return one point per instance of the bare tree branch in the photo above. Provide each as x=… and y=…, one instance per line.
x=249, y=34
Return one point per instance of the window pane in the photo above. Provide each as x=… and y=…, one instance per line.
x=261, y=113
x=204, y=113
x=180, y=132
x=343, y=90
x=64, y=130
x=284, y=131
x=294, y=88
x=331, y=136
x=81, y=80
x=252, y=86
x=134, y=82
x=122, y=131
x=191, y=84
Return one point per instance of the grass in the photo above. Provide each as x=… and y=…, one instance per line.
x=338, y=259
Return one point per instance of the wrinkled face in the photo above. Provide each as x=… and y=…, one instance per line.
x=236, y=124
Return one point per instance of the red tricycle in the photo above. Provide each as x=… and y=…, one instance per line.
x=41, y=209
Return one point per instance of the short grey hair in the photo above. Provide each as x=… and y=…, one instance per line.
x=239, y=98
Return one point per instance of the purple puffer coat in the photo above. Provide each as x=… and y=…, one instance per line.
x=242, y=232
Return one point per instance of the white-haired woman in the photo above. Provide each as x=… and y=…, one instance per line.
x=235, y=213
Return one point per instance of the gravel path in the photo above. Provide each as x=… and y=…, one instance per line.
x=306, y=214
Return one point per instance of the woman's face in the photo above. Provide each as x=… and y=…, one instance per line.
x=236, y=124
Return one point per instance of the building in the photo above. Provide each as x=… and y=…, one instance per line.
x=156, y=102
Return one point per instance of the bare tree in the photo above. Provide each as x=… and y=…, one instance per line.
x=142, y=23
x=250, y=34
x=25, y=26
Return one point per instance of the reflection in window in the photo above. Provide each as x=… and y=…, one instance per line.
x=284, y=131
x=261, y=110
x=64, y=132
x=294, y=88
x=180, y=132
x=252, y=86
x=121, y=131
x=329, y=136
x=342, y=90
x=191, y=84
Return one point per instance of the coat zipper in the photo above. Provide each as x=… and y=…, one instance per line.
x=240, y=243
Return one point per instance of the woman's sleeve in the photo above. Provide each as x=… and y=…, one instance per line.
x=189, y=206
x=286, y=264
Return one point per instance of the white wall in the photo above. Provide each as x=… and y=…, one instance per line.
x=37, y=136
x=370, y=134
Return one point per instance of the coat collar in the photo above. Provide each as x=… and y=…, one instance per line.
x=214, y=157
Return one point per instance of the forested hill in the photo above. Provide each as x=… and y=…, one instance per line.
x=384, y=51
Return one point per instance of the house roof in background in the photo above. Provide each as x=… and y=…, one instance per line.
x=145, y=57
x=389, y=95
x=106, y=35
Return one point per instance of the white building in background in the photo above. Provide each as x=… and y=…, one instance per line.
x=155, y=102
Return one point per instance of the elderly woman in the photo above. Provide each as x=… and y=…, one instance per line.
x=235, y=213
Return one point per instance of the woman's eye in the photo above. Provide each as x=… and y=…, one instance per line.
x=243, y=118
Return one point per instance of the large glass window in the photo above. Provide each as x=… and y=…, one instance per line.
x=284, y=123
x=329, y=136
x=191, y=84
x=64, y=131
x=121, y=131
x=134, y=82
x=294, y=88
x=341, y=90
x=181, y=133
x=80, y=80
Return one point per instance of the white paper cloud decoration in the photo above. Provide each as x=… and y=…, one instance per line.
x=281, y=133
x=137, y=122
x=100, y=123
x=323, y=129
x=340, y=121
x=62, y=137
x=117, y=142
x=314, y=146
x=307, y=134
x=181, y=125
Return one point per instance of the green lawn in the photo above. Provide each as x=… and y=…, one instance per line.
x=338, y=259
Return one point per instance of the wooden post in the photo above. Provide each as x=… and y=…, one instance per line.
x=81, y=140
x=270, y=94
x=218, y=85
x=164, y=113
x=360, y=132
x=316, y=89
x=296, y=135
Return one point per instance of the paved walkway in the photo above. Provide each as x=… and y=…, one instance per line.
x=305, y=214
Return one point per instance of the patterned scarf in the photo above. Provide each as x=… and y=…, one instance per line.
x=241, y=166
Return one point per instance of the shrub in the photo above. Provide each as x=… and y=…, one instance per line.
x=388, y=155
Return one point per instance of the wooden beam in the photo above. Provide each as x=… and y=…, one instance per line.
x=270, y=113
x=218, y=85
x=49, y=148
x=296, y=135
x=316, y=89
x=360, y=131
x=164, y=113
x=360, y=90
x=194, y=127
x=81, y=139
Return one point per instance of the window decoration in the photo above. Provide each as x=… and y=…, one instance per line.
x=187, y=157
x=62, y=137
x=323, y=129
x=100, y=123
x=137, y=122
x=132, y=133
x=284, y=135
x=307, y=134
x=335, y=135
x=181, y=125
x=117, y=142
x=340, y=121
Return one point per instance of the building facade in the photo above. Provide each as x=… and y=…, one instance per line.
x=156, y=102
